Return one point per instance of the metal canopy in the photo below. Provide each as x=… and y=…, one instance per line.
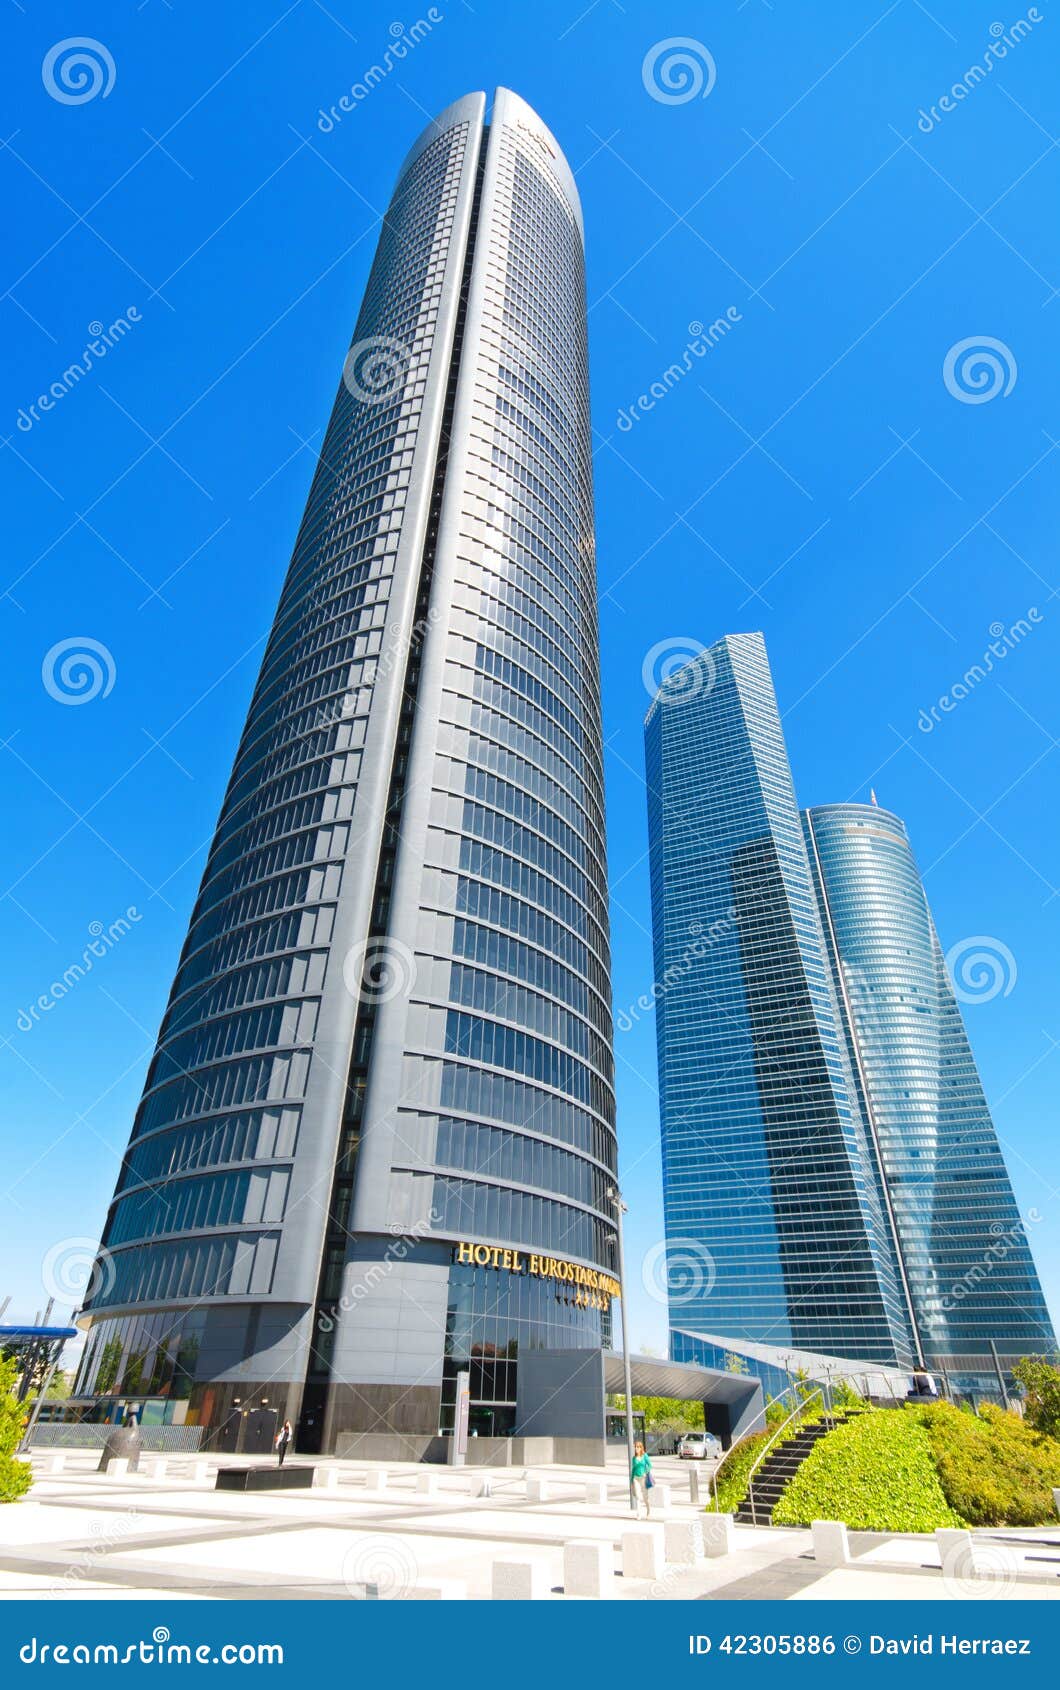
x=655, y=1377
x=7, y=1332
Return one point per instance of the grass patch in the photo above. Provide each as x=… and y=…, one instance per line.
x=876, y=1472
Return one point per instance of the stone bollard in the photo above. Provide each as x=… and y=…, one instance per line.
x=482, y=1484
x=536, y=1489
x=660, y=1498
x=518, y=1581
x=682, y=1542
x=596, y=1492
x=117, y=1467
x=325, y=1478
x=155, y=1466
x=588, y=1568
x=830, y=1543
x=642, y=1553
x=717, y=1532
x=54, y=1463
x=426, y=1484
x=439, y=1590
x=376, y=1478
x=956, y=1552
x=200, y=1471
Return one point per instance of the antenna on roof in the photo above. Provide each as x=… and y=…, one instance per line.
x=873, y=798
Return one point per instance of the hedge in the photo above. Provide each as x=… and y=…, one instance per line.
x=876, y=1472
x=994, y=1469
x=15, y=1476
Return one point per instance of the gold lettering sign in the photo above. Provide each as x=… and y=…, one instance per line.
x=593, y=1289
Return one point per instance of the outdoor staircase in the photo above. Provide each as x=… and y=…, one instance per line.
x=779, y=1466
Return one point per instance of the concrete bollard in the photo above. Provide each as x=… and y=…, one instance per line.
x=661, y=1498
x=642, y=1553
x=956, y=1552
x=717, y=1532
x=682, y=1542
x=117, y=1467
x=439, y=1590
x=518, y=1581
x=154, y=1466
x=588, y=1568
x=376, y=1478
x=325, y=1478
x=596, y=1492
x=536, y=1489
x=53, y=1463
x=831, y=1545
x=482, y=1484
x=200, y=1471
x=426, y=1484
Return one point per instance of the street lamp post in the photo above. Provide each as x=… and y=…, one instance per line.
x=620, y=1209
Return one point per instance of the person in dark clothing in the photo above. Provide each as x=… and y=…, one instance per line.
x=283, y=1440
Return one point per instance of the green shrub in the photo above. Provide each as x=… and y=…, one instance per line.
x=994, y=1469
x=735, y=1473
x=1040, y=1379
x=15, y=1476
x=876, y=1472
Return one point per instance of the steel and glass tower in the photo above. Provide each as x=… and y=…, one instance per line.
x=964, y=1245
x=381, y=1102
x=776, y=1226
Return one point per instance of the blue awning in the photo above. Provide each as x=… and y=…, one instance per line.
x=38, y=1332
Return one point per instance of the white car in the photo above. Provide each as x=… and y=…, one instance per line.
x=698, y=1446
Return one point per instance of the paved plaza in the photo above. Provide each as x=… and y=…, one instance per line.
x=420, y=1532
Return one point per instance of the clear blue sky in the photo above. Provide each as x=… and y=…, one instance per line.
x=812, y=476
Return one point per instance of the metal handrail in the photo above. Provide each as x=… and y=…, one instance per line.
x=799, y=1408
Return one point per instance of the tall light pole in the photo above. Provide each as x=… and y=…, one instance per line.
x=620, y=1209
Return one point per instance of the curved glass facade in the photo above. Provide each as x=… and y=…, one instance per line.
x=964, y=1246
x=391, y=1017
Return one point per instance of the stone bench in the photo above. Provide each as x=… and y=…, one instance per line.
x=642, y=1553
x=588, y=1568
x=718, y=1535
x=519, y=1581
x=831, y=1546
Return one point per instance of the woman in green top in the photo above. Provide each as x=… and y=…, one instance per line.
x=642, y=1479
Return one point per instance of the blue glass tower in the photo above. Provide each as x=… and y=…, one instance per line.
x=777, y=1226
x=964, y=1248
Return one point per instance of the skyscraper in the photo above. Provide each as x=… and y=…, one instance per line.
x=377, y=1133
x=775, y=1222
x=832, y=1178
x=965, y=1250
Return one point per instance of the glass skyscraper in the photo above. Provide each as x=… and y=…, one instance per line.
x=832, y=1177
x=775, y=1223
x=965, y=1252
x=377, y=1134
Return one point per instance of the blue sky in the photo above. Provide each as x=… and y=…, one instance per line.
x=814, y=475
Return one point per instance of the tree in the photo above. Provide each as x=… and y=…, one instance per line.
x=735, y=1363
x=1040, y=1379
x=666, y=1414
x=15, y=1476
